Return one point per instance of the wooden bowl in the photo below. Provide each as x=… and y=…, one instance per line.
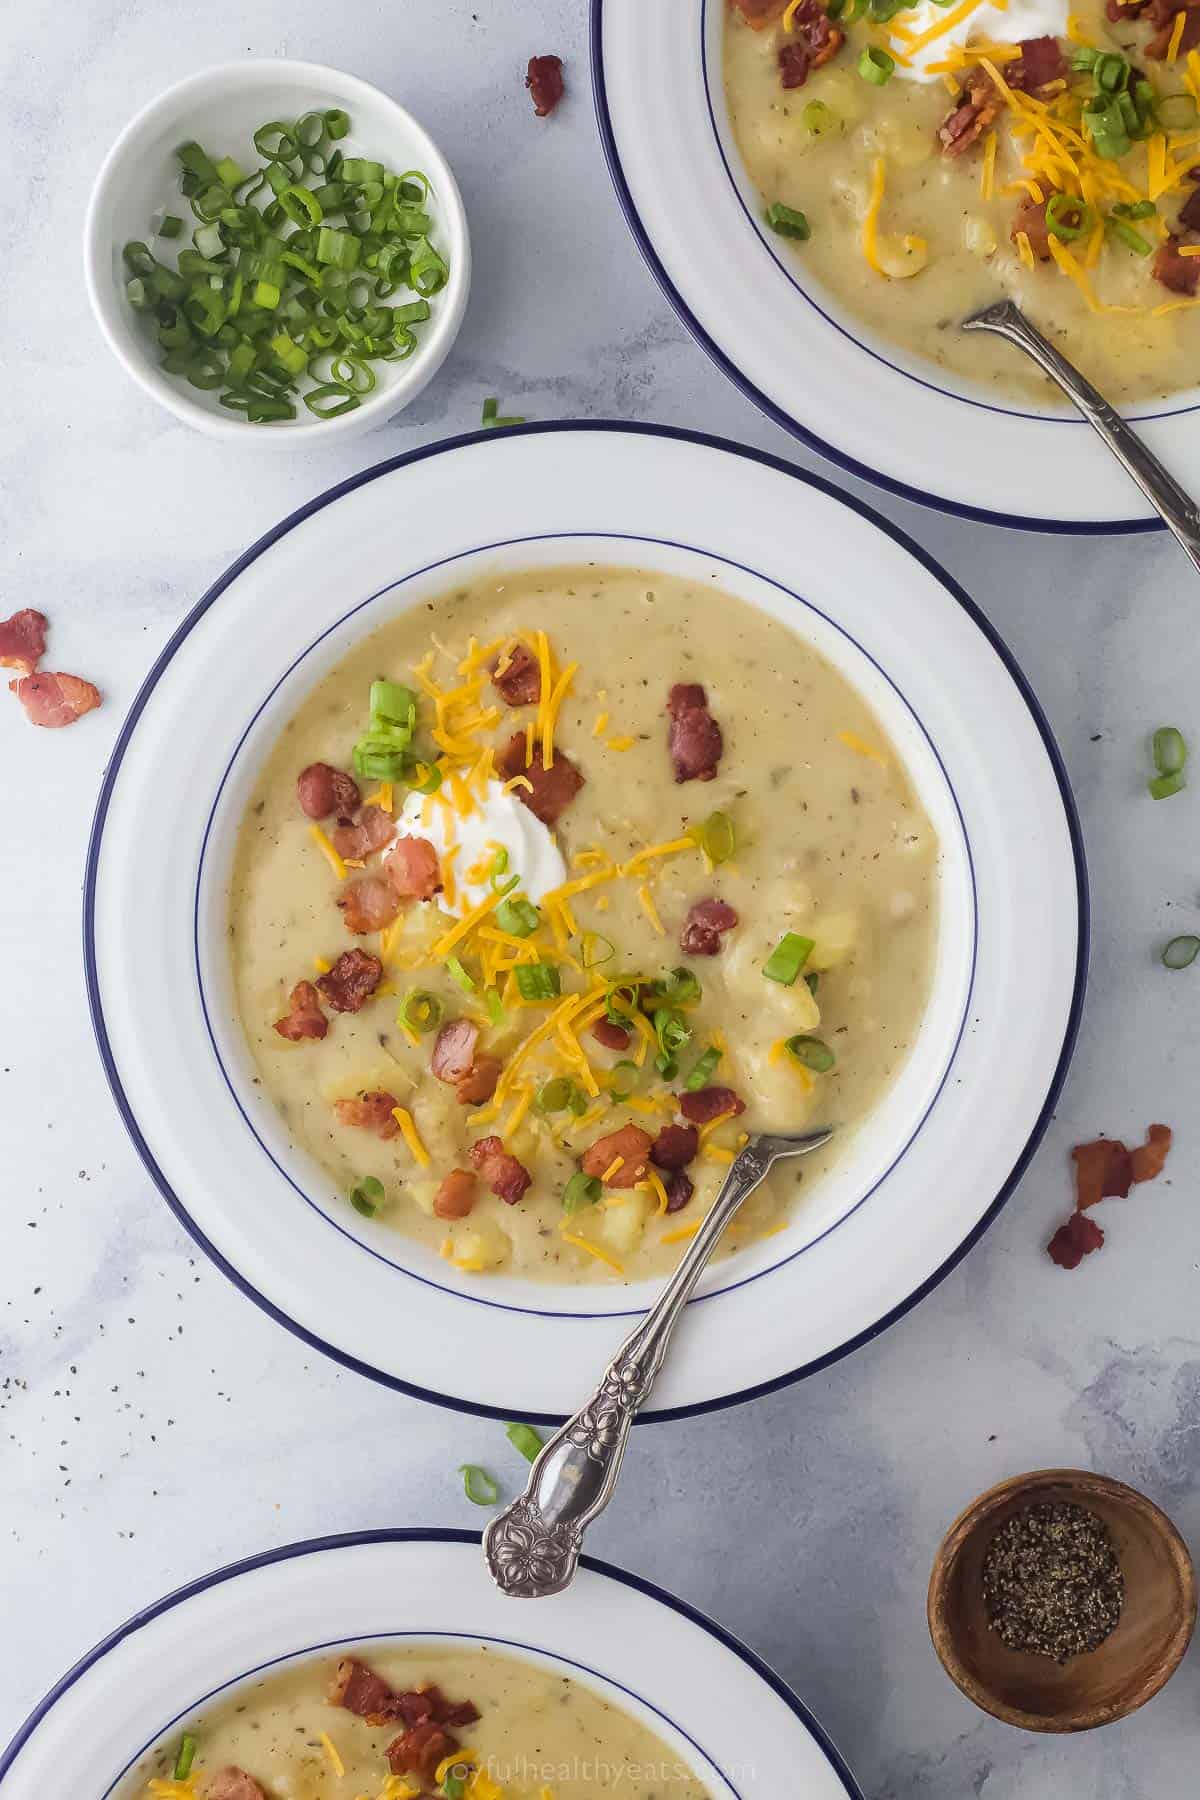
x=1140, y=1655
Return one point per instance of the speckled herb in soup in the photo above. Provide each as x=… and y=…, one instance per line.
x=945, y=155
x=626, y=871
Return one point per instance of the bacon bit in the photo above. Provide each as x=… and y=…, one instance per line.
x=550, y=791
x=1179, y=273
x=1160, y=43
x=815, y=42
x=1102, y=1172
x=675, y=1147
x=1030, y=218
x=613, y=1037
x=758, y=13
x=975, y=109
x=794, y=64
x=361, y=1691
x=370, y=1112
x=454, y=1050
x=23, y=640
x=456, y=1196
x=1189, y=212
x=631, y=1145
x=479, y=1083
x=352, y=980
x=233, y=1784
x=419, y=1750
x=55, y=700
x=368, y=833
x=1041, y=61
x=322, y=790
x=507, y=1178
x=1146, y=1160
x=679, y=1191
x=368, y=904
x=304, y=1018
x=411, y=865
x=1074, y=1240
x=694, y=737
x=704, y=925
x=709, y=1103
x=517, y=677
x=544, y=79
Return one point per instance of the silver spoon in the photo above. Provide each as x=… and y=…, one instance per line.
x=532, y=1547
x=1177, y=509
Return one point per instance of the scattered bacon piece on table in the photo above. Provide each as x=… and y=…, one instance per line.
x=454, y=1050
x=1041, y=61
x=352, y=980
x=479, y=1083
x=1146, y=1160
x=613, y=1037
x=411, y=865
x=679, y=1191
x=704, y=925
x=1179, y=273
x=23, y=640
x=55, y=700
x=368, y=904
x=507, y=1178
x=632, y=1144
x=519, y=681
x=361, y=1691
x=709, y=1103
x=1030, y=217
x=363, y=836
x=976, y=108
x=1102, y=1172
x=551, y=790
x=419, y=1750
x=1075, y=1240
x=456, y=1195
x=322, y=789
x=675, y=1146
x=370, y=1112
x=304, y=1018
x=694, y=737
x=544, y=79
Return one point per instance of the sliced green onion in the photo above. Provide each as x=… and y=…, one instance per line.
x=496, y=1012
x=456, y=972
x=716, y=837
x=518, y=917
x=821, y=119
x=1181, y=952
x=171, y=226
x=678, y=987
x=1169, y=750
x=620, y=1002
x=275, y=141
x=582, y=1190
x=1084, y=58
x=1177, y=112
x=525, y=1439
x=622, y=1079
x=596, y=950
x=1137, y=209
x=1068, y=218
x=185, y=1758
x=367, y=1196
x=1110, y=72
x=703, y=1072
x=1163, y=786
x=421, y=1011
x=454, y=1786
x=876, y=66
x=197, y=162
x=555, y=1096
x=787, y=221
x=812, y=981
x=491, y=417
x=431, y=779
x=393, y=704
x=788, y=958
x=478, y=1485
x=813, y=1052
x=673, y=1032
x=537, y=981
x=337, y=123
x=1133, y=240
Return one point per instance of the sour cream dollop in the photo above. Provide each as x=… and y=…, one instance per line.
x=499, y=819
x=985, y=24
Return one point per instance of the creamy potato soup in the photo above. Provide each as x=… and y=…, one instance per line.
x=555, y=889
x=385, y=1724
x=920, y=162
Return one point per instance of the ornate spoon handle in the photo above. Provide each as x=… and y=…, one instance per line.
x=533, y=1546
x=1175, y=507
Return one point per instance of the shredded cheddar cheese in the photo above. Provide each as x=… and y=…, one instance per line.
x=327, y=850
x=861, y=747
x=646, y=902
x=682, y=1233
x=1176, y=37
x=603, y=1256
x=411, y=1136
x=330, y=1749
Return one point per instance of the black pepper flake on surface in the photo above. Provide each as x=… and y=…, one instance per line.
x=1052, y=1582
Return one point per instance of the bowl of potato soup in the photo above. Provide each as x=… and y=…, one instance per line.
x=827, y=188
x=382, y=1665
x=530, y=856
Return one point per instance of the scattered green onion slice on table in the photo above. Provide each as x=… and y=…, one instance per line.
x=788, y=958
x=716, y=837
x=421, y=1011
x=457, y=973
x=876, y=66
x=704, y=1070
x=813, y=1052
x=185, y=1758
x=519, y=917
x=492, y=419
x=1169, y=750
x=523, y=1438
x=1163, y=786
x=1181, y=952
x=367, y=1196
x=537, y=981
x=582, y=1190
x=788, y=221
x=478, y=1485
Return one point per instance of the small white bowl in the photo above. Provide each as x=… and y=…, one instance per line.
x=221, y=108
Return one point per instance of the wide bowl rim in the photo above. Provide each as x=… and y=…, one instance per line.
x=93, y=979
x=423, y=1534
x=387, y=399
x=975, y=1516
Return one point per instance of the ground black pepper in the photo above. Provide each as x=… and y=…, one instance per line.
x=1052, y=1582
